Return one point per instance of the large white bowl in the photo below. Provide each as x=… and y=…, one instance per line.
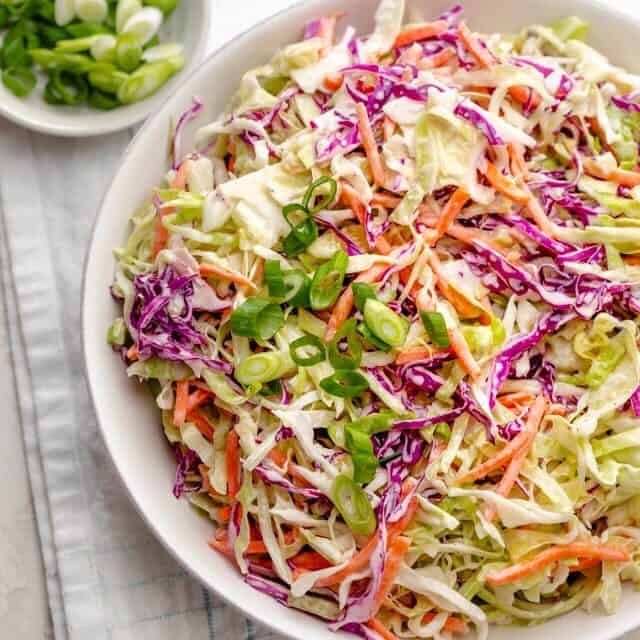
x=189, y=25
x=130, y=422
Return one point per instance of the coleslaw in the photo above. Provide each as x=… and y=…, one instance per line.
x=388, y=308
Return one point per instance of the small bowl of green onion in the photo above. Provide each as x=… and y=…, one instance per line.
x=79, y=68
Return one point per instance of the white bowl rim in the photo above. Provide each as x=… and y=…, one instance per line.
x=274, y=624
x=121, y=117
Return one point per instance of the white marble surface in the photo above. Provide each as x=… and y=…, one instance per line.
x=24, y=612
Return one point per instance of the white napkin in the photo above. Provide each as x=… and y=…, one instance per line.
x=107, y=577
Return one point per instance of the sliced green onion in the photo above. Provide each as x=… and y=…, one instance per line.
x=117, y=333
x=308, y=342
x=76, y=45
x=106, y=78
x=292, y=246
x=354, y=506
x=361, y=293
x=19, y=80
x=443, y=431
x=272, y=388
x=336, y=433
x=295, y=214
x=298, y=286
x=128, y=52
x=359, y=445
x=257, y=319
x=385, y=324
x=144, y=24
x=146, y=80
x=55, y=60
x=86, y=29
x=374, y=423
x=124, y=10
x=14, y=52
x=166, y=6
x=4, y=17
x=52, y=34
x=327, y=281
x=328, y=189
x=261, y=367
x=274, y=279
x=102, y=101
x=66, y=88
x=369, y=337
x=345, y=384
x=92, y=10
x=435, y=325
x=351, y=358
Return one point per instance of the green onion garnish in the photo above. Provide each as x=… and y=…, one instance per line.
x=351, y=358
x=327, y=281
x=385, y=324
x=257, y=319
x=308, y=342
x=354, y=506
x=298, y=286
x=374, y=423
x=359, y=445
x=367, y=334
x=262, y=367
x=345, y=384
x=435, y=325
x=328, y=189
x=274, y=279
x=271, y=388
x=361, y=293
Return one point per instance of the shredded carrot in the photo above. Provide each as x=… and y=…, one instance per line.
x=633, y=261
x=384, y=199
x=413, y=354
x=463, y=353
x=279, y=457
x=518, y=163
x=524, y=95
x=207, y=270
x=451, y=211
x=310, y=560
x=579, y=550
x=619, y=176
x=381, y=630
x=352, y=199
x=361, y=559
x=221, y=546
x=540, y=217
x=342, y=308
x=505, y=185
x=327, y=31
x=508, y=480
x=497, y=461
x=132, y=352
x=461, y=304
x=420, y=32
x=557, y=410
x=481, y=55
x=333, y=81
x=294, y=472
x=203, y=470
x=233, y=464
x=181, y=403
x=517, y=399
x=202, y=423
x=197, y=399
x=437, y=60
x=388, y=128
x=161, y=233
x=393, y=563
x=585, y=564
x=452, y=624
x=369, y=143
x=224, y=514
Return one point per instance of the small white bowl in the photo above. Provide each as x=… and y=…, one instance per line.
x=129, y=420
x=188, y=25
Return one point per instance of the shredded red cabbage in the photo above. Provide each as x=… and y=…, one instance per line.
x=191, y=113
x=162, y=319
